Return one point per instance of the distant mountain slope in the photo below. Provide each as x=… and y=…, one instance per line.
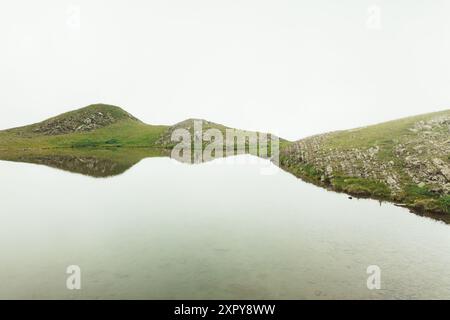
x=89, y=118
x=406, y=160
x=166, y=138
x=98, y=125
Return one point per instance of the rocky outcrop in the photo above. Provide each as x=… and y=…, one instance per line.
x=85, y=123
x=425, y=155
x=354, y=162
x=189, y=125
x=83, y=120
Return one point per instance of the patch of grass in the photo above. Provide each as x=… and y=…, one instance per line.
x=419, y=197
x=311, y=171
x=85, y=144
x=425, y=205
x=126, y=133
x=441, y=205
x=302, y=170
x=444, y=203
x=112, y=142
x=361, y=187
x=419, y=192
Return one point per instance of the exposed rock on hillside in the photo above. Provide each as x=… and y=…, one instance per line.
x=189, y=125
x=82, y=120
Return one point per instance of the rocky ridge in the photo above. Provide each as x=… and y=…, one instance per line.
x=420, y=157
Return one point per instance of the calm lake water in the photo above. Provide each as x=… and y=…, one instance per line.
x=219, y=230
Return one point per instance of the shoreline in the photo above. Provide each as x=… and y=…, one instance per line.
x=440, y=215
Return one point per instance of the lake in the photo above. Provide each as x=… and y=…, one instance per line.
x=226, y=229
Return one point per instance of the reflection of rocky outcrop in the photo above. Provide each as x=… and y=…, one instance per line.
x=197, y=156
x=90, y=166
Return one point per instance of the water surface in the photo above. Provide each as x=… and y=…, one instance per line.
x=218, y=230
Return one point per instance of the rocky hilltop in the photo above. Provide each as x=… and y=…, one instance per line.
x=82, y=120
x=406, y=161
x=166, y=138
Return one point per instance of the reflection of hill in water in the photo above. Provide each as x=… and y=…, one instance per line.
x=109, y=162
x=94, y=163
x=86, y=165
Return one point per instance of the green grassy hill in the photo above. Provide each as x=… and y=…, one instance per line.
x=406, y=161
x=93, y=126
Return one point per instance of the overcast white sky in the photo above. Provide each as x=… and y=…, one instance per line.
x=294, y=68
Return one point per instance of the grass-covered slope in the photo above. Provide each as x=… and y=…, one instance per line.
x=406, y=161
